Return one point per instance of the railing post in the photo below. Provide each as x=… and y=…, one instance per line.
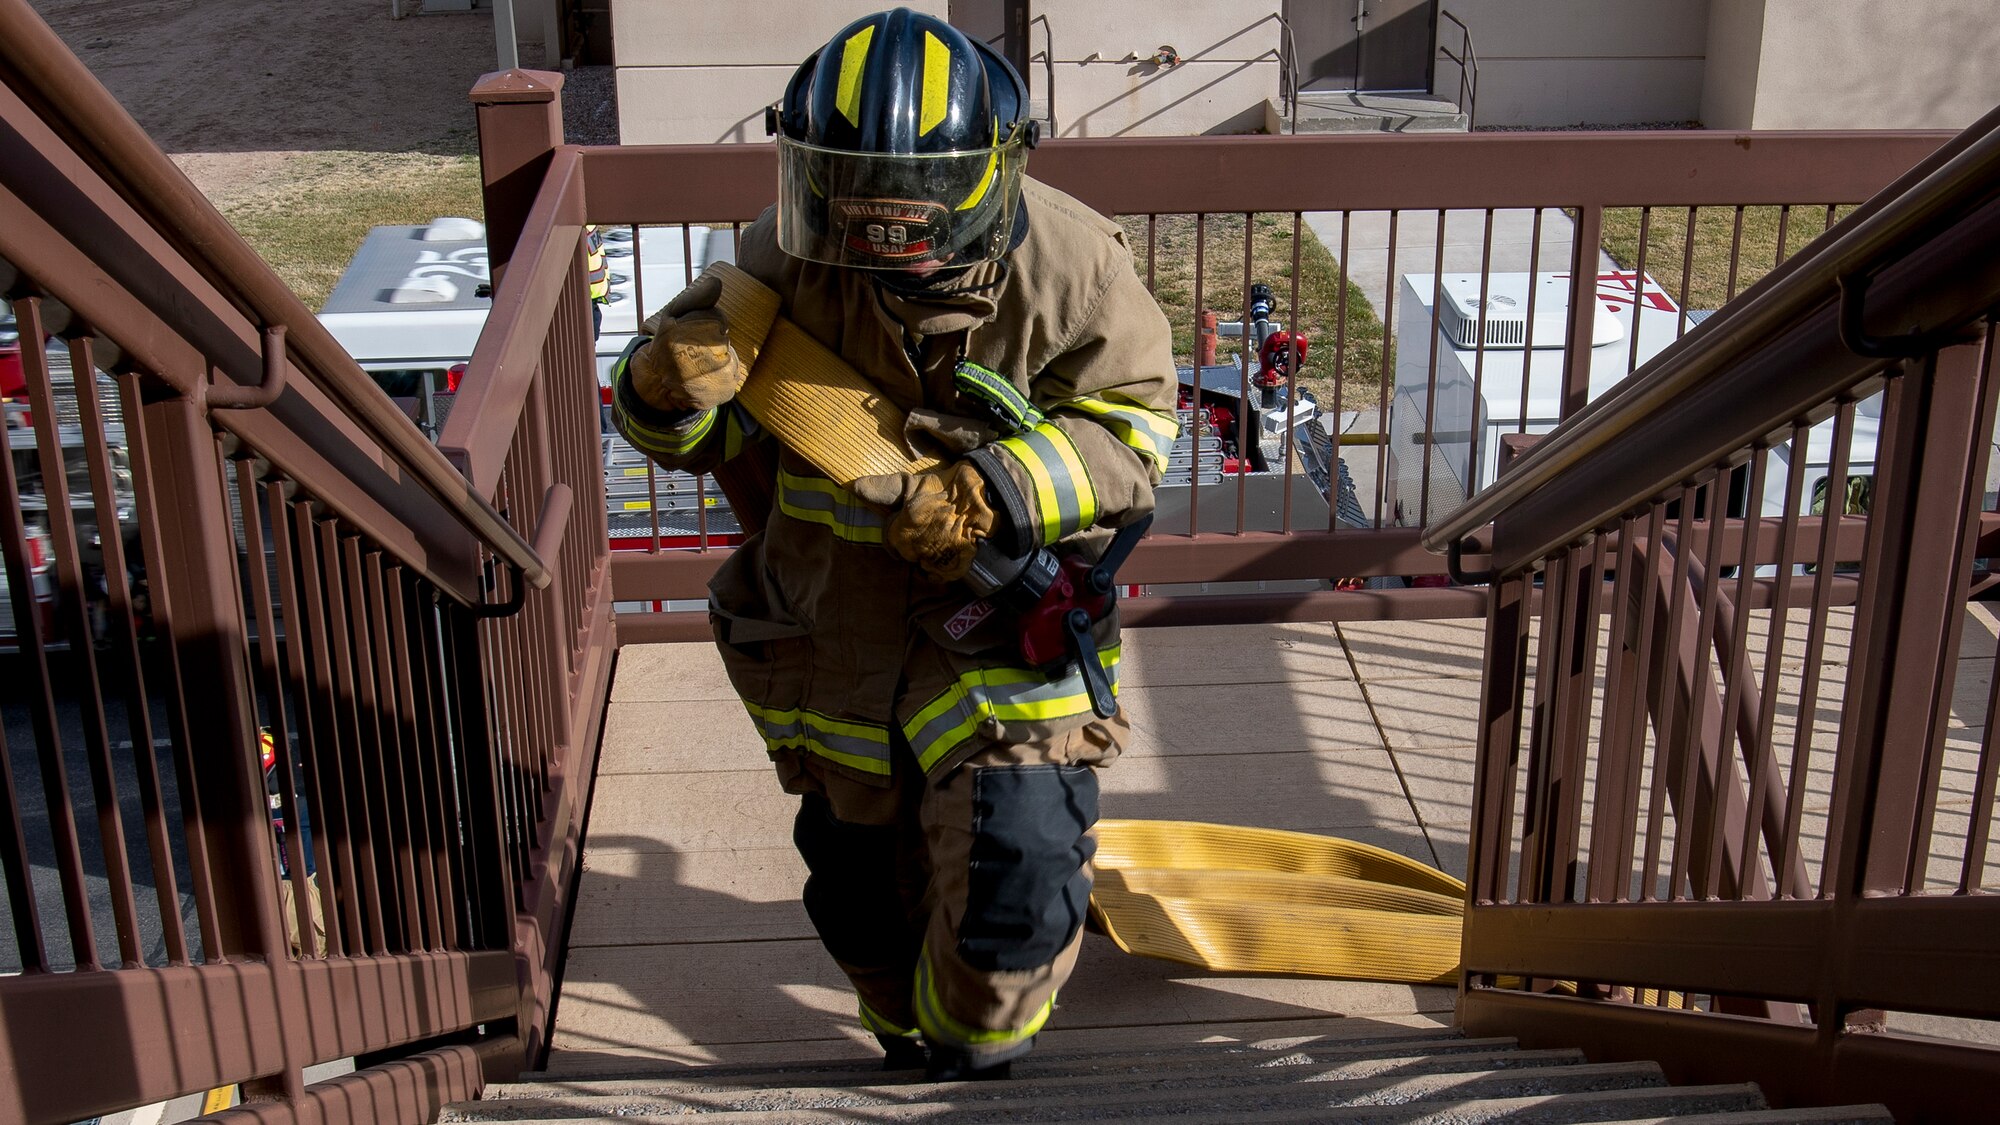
x=1582, y=307
x=1908, y=622
x=205, y=619
x=520, y=125
x=1936, y=426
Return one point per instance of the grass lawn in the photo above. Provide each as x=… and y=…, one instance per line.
x=1223, y=285
x=1715, y=232
x=309, y=223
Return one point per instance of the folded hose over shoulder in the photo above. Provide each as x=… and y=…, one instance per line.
x=812, y=400
x=1260, y=900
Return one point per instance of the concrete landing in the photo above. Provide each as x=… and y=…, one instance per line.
x=690, y=945
x=1323, y=111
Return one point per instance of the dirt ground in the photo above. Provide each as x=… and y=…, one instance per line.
x=236, y=91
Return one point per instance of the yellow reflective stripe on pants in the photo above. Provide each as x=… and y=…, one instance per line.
x=856, y=745
x=1151, y=433
x=1002, y=694
x=940, y=1028
x=873, y=1021
x=818, y=500
x=1065, y=501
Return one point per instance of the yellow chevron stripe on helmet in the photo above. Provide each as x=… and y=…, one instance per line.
x=853, y=57
x=937, y=84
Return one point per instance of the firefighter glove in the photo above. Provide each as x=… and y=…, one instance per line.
x=944, y=516
x=688, y=364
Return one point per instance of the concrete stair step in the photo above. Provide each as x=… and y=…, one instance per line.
x=1325, y=112
x=817, y=1056
x=1306, y=1088
x=1036, y=1066
x=1081, y=1078
x=1686, y=1104
x=1813, y=1115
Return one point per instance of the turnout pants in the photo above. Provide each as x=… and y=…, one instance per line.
x=955, y=901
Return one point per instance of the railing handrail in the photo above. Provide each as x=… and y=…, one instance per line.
x=1951, y=181
x=1288, y=72
x=44, y=73
x=1468, y=68
x=1333, y=172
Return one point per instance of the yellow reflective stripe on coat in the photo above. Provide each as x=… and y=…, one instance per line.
x=939, y=1027
x=857, y=745
x=1065, y=501
x=1003, y=695
x=678, y=441
x=818, y=500
x=1148, y=431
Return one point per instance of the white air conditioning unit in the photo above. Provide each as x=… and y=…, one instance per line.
x=1507, y=305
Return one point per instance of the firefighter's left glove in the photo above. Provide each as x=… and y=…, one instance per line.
x=943, y=517
x=688, y=364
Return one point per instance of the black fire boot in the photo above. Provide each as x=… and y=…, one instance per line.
x=947, y=1065
x=903, y=1053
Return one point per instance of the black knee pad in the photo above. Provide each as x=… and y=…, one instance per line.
x=1027, y=893
x=851, y=894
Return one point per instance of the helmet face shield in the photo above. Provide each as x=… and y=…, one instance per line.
x=897, y=211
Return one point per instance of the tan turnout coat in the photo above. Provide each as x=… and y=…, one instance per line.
x=832, y=641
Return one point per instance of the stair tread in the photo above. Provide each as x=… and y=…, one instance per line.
x=1807, y=1115
x=1036, y=1066
x=1065, y=1042
x=1623, y=1105
x=1216, y=1072
x=1056, y=1099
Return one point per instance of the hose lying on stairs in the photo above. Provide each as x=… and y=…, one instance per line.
x=1259, y=900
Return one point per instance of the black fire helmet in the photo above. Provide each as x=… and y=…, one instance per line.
x=901, y=145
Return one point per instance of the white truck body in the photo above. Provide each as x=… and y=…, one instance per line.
x=408, y=300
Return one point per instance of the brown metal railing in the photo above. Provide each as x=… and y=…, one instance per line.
x=1692, y=201
x=222, y=542
x=1730, y=789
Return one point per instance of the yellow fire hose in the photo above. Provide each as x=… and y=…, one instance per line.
x=1258, y=900
x=808, y=397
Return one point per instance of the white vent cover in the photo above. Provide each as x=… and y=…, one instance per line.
x=452, y=229
x=1507, y=312
x=431, y=290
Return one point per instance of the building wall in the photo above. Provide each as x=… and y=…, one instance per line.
x=1106, y=84
x=1569, y=62
x=691, y=72
x=686, y=76
x=1735, y=55
x=1876, y=64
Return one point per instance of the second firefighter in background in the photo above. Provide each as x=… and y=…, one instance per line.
x=947, y=791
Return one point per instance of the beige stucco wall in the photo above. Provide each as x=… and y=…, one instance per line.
x=1566, y=62
x=1735, y=55
x=693, y=72
x=1107, y=86
x=688, y=76
x=1876, y=64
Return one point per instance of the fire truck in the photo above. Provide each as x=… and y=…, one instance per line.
x=410, y=306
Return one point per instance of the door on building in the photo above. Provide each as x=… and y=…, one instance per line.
x=1363, y=44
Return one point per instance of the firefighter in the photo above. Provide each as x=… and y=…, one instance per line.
x=947, y=791
x=597, y=275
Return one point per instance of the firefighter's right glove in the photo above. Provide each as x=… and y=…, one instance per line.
x=688, y=364
x=943, y=518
